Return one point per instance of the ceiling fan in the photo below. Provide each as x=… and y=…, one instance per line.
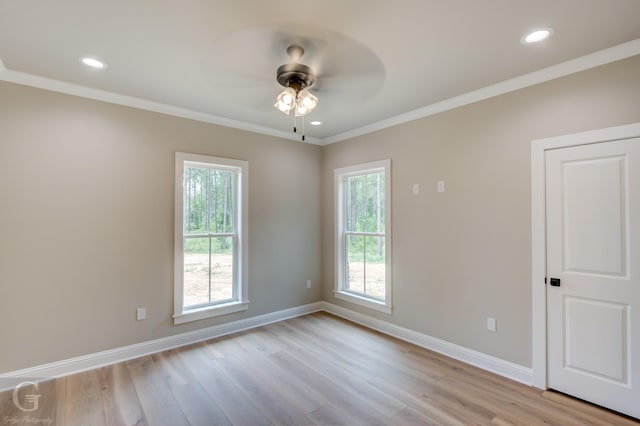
x=337, y=75
x=297, y=79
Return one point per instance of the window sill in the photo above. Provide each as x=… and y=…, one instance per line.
x=363, y=301
x=210, y=312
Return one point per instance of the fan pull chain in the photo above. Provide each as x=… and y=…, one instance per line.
x=303, y=128
x=295, y=117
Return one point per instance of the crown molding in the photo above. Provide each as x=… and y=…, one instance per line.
x=31, y=80
x=592, y=60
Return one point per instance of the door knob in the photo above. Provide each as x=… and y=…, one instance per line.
x=554, y=282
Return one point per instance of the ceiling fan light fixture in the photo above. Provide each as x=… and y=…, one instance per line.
x=296, y=78
x=286, y=100
x=306, y=100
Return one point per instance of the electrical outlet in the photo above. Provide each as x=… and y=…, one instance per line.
x=141, y=313
x=308, y=283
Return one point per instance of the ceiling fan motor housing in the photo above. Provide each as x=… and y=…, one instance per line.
x=294, y=74
x=297, y=76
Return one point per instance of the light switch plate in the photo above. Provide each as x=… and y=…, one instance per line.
x=492, y=325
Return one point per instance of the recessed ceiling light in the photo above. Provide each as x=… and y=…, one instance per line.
x=93, y=62
x=536, y=36
x=316, y=123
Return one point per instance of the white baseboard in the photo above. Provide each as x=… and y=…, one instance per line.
x=88, y=362
x=495, y=365
x=100, y=359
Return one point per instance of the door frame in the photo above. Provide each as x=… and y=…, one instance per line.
x=539, y=238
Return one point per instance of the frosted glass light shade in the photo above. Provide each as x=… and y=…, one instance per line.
x=306, y=102
x=286, y=100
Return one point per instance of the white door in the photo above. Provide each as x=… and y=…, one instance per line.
x=593, y=253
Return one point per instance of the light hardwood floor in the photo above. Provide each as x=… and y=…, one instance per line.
x=316, y=369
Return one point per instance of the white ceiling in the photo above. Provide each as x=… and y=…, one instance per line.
x=378, y=62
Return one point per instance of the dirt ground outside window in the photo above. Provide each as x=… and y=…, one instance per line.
x=196, y=278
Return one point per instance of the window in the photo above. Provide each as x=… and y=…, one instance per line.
x=210, y=237
x=363, y=231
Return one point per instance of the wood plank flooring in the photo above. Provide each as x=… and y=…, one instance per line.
x=312, y=370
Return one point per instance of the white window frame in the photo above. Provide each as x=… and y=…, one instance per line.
x=240, y=246
x=340, y=291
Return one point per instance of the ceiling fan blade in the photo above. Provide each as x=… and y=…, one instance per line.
x=244, y=64
x=257, y=52
x=355, y=88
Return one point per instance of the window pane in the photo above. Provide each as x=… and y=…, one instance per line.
x=355, y=263
x=376, y=195
x=364, y=200
x=221, y=201
x=221, y=269
x=366, y=266
x=208, y=270
x=354, y=202
x=196, y=271
x=195, y=200
x=375, y=267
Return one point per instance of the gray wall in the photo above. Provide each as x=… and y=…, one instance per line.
x=463, y=255
x=86, y=223
x=86, y=217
